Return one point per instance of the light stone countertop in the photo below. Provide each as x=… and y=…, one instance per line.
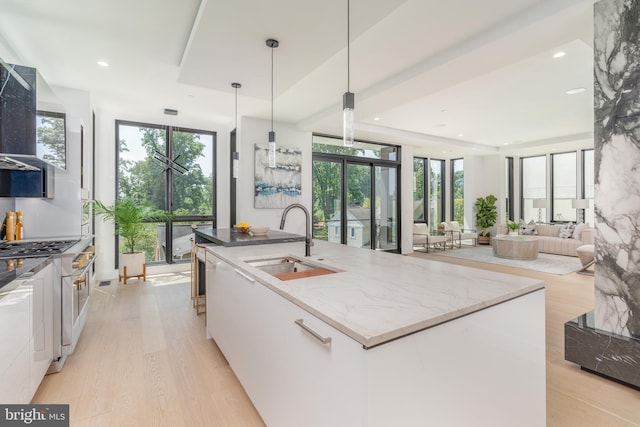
x=378, y=296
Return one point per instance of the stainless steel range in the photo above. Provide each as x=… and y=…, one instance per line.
x=71, y=298
x=33, y=249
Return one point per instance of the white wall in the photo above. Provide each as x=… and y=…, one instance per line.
x=254, y=131
x=60, y=216
x=483, y=175
x=406, y=191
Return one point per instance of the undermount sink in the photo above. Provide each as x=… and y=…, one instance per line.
x=289, y=268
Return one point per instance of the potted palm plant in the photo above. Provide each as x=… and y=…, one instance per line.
x=129, y=218
x=486, y=216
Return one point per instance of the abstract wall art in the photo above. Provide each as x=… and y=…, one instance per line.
x=278, y=187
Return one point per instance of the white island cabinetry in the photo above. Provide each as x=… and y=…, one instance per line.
x=482, y=364
x=292, y=378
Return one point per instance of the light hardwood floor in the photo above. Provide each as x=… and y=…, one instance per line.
x=574, y=397
x=144, y=360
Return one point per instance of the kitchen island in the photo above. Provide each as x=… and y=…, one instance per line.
x=384, y=340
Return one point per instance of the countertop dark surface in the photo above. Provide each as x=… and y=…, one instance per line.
x=11, y=269
x=229, y=237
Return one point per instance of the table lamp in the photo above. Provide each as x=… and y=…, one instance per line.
x=580, y=205
x=540, y=204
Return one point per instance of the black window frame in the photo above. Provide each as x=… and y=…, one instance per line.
x=510, y=202
x=372, y=163
x=168, y=129
x=551, y=187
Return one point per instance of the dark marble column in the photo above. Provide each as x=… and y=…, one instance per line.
x=609, y=344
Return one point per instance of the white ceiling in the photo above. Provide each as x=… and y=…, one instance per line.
x=454, y=77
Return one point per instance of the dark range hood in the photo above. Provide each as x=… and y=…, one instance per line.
x=22, y=173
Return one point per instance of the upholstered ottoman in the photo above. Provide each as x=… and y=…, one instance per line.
x=586, y=256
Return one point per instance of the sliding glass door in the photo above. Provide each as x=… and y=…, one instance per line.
x=355, y=199
x=386, y=209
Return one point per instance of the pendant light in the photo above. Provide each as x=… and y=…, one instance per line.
x=348, y=100
x=272, y=135
x=236, y=155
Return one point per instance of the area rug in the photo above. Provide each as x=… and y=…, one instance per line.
x=546, y=263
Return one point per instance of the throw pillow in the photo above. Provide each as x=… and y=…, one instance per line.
x=529, y=229
x=566, y=231
x=577, y=232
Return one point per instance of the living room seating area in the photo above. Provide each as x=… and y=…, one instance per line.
x=559, y=239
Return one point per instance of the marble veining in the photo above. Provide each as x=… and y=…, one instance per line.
x=379, y=296
x=602, y=352
x=617, y=159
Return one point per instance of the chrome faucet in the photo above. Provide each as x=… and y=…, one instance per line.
x=307, y=243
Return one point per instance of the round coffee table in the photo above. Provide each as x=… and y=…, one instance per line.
x=515, y=247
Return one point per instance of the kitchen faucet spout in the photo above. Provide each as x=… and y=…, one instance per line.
x=308, y=243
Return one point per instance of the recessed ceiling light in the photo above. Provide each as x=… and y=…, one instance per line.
x=103, y=63
x=553, y=149
x=559, y=54
x=506, y=143
x=460, y=134
x=575, y=90
x=376, y=118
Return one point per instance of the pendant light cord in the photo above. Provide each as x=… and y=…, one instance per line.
x=236, y=116
x=272, y=89
x=348, y=48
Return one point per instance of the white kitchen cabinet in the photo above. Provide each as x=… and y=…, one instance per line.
x=291, y=377
x=14, y=351
x=41, y=337
x=26, y=315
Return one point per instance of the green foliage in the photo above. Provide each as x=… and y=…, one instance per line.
x=50, y=132
x=129, y=218
x=458, y=196
x=458, y=210
x=486, y=213
x=326, y=195
x=145, y=179
x=513, y=226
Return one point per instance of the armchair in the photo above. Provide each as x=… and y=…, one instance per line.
x=458, y=233
x=422, y=237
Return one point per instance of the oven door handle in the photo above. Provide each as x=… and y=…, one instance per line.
x=67, y=311
x=87, y=266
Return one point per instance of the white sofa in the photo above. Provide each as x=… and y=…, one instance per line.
x=550, y=242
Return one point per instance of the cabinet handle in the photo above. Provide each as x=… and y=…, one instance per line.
x=323, y=340
x=249, y=278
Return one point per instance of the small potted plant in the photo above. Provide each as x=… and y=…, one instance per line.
x=513, y=228
x=486, y=216
x=129, y=217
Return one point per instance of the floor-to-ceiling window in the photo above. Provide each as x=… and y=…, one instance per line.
x=168, y=168
x=420, y=185
x=356, y=193
x=436, y=193
x=508, y=191
x=563, y=188
x=588, y=183
x=533, y=186
x=457, y=190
